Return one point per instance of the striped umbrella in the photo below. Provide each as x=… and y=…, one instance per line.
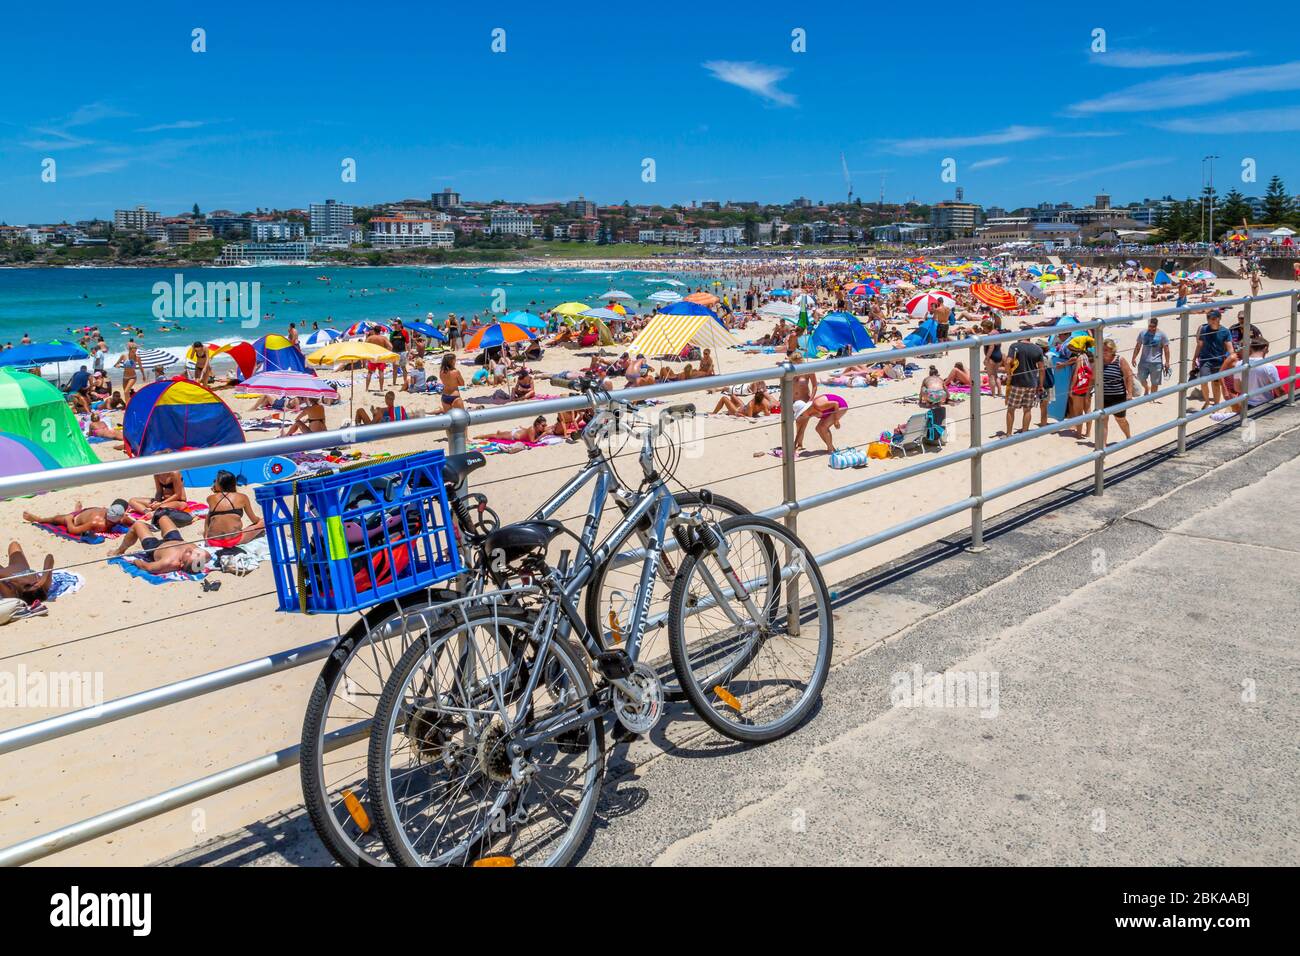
x=291, y=384
x=616, y=294
x=993, y=295
x=919, y=306
x=365, y=327
x=156, y=358
x=665, y=295
x=319, y=339
x=498, y=333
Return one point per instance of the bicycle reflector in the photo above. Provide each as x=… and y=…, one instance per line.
x=727, y=697
x=495, y=861
x=356, y=811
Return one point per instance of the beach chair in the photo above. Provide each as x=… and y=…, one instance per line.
x=913, y=436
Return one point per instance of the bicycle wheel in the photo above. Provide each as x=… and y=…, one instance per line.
x=611, y=596
x=336, y=726
x=752, y=670
x=450, y=788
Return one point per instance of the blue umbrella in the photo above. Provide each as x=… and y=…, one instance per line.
x=779, y=292
x=525, y=320
x=686, y=307
x=31, y=356
x=427, y=330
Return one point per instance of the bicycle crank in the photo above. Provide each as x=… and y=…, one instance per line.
x=639, y=699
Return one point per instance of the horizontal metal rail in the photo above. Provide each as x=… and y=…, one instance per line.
x=456, y=424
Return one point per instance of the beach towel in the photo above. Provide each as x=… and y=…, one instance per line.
x=64, y=582
x=88, y=538
x=169, y=578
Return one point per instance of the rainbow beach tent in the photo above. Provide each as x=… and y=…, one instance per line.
x=176, y=414
x=36, y=415
x=275, y=353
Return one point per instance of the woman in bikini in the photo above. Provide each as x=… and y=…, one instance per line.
x=828, y=410
x=527, y=433
x=452, y=383
x=310, y=419
x=227, y=508
x=168, y=492
x=524, y=387
x=128, y=362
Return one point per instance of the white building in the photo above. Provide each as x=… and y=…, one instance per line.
x=511, y=222
x=281, y=230
x=330, y=218
x=722, y=236
x=400, y=231
x=136, y=220
x=263, y=253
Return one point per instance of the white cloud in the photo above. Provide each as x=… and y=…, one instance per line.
x=758, y=79
x=1068, y=178
x=1195, y=89
x=1148, y=59
x=1286, y=120
x=1012, y=134
x=987, y=163
x=179, y=124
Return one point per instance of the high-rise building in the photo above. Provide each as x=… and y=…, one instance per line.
x=330, y=218
x=511, y=222
x=445, y=199
x=955, y=219
x=136, y=220
x=580, y=207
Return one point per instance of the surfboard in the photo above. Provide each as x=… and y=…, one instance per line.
x=252, y=471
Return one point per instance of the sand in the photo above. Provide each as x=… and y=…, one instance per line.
x=139, y=636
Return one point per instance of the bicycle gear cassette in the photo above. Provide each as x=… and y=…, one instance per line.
x=640, y=717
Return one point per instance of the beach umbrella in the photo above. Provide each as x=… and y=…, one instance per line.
x=919, y=306
x=607, y=315
x=1130, y=262
x=289, y=384
x=780, y=293
x=1033, y=290
x=365, y=327
x=337, y=353
x=687, y=307
x=156, y=358
x=497, y=334
x=525, y=320
x=1049, y=277
x=805, y=299
x=706, y=299
x=34, y=356
x=782, y=310
x=616, y=294
x=571, y=308
x=427, y=330
x=993, y=295
x=319, y=339
x=665, y=295
x=1202, y=274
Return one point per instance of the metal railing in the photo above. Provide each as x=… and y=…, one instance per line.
x=456, y=425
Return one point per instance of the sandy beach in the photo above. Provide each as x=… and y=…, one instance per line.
x=140, y=635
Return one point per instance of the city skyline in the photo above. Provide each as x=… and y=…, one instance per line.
x=757, y=110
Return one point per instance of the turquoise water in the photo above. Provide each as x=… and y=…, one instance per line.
x=52, y=304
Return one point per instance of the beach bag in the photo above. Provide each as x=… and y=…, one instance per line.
x=9, y=609
x=879, y=449
x=848, y=458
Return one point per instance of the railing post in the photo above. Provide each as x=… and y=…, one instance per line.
x=1295, y=310
x=976, y=441
x=457, y=431
x=1184, y=362
x=1098, y=403
x=789, y=489
x=1245, y=362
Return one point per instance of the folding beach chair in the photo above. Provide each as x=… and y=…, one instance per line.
x=914, y=434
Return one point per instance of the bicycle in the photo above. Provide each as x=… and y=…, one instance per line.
x=488, y=743
x=344, y=695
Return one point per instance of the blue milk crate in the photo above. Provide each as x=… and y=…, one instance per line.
x=353, y=538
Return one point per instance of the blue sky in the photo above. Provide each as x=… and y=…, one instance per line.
x=715, y=95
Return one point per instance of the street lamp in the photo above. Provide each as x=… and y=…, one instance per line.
x=1210, y=160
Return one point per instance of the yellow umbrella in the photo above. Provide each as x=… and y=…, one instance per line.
x=337, y=353
x=571, y=308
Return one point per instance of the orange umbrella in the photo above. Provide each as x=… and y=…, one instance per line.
x=706, y=299
x=993, y=295
x=498, y=333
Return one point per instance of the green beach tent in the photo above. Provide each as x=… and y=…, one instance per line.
x=33, y=409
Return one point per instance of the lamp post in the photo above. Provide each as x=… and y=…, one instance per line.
x=1212, y=159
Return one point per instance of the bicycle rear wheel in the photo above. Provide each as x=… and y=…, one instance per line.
x=750, y=630
x=610, y=597
x=450, y=786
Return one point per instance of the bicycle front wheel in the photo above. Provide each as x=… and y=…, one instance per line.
x=750, y=630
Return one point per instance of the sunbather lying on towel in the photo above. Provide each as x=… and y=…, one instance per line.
x=81, y=520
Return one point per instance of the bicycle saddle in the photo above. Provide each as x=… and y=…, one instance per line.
x=455, y=468
x=521, y=539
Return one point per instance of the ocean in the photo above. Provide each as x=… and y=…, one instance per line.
x=59, y=304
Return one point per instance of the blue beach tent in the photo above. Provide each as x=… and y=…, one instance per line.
x=927, y=333
x=838, y=329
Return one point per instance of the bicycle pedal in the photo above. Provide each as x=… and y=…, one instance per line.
x=614, y=665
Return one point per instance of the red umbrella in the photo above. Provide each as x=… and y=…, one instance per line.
x=919, y=306
x=993, y=295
